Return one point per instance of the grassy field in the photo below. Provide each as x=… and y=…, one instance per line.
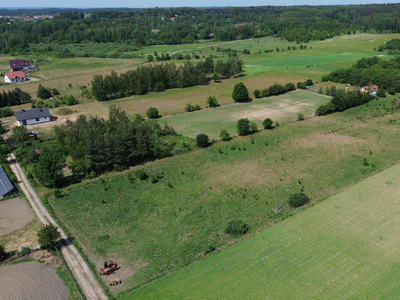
x=343, y=248
x=282, y=109
x=152, y=229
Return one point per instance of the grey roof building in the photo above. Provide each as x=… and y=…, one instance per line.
x=33, y=116
x=5, y=183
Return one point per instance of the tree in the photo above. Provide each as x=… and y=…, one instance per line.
x=243, y=126
x=224, y=135
x=49, y=168
x=267, y=123
x=152, y=113
x=202, y=140
x=3, y=253
x=253, y=127
x=381, y=93
x=237, y=227
x=212, y=101
x=297, y=200
x=215, y=77
x=149, y=58
x=309, y=82
x=240, y=92
x=289, y=87
x=159, y=87
x=19, y=134
x=43, y=93
x=300, y=117
x=48, y=237
x=257, y=93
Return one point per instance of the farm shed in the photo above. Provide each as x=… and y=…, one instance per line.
x=5, y=183
x=33, y=116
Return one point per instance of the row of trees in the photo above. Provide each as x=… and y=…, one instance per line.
x=157, y=78
x=14, y=97
x=299, y=24
x=273, y=90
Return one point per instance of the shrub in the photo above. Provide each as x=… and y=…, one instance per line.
x=215, y=77
x=141, y=174
x=301, y=85
x=300, y=117
x=43, y=93
x=48, y=237
x=237, y=227
x=240, y=92
x=257, y=93
x=71, y=100
x=212, y=101
x=58, y=193
x=152, y=113
x=153, y=179
x=24, y=251
x=265, y=92
x=3, y=253
x=309, y=82
x=6, y=112
x=381, y=93
x=202, y=140
x=392, y=91
x=189, y=107
x=267, y=123
x=64, y=111
x=297, y=200
x=253, y=127
x=55, y=92
x=289, y=87
x=159, y=87
x=224, y=135
x=243, y=126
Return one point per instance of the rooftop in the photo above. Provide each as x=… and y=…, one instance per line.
x=32, y=113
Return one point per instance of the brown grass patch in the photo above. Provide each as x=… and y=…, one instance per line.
x=14, y=214
x=328, y=140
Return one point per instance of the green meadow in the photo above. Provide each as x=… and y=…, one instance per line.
x=342, y=248
x=282, y=109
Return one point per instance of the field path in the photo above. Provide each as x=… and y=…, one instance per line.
x=81, y=271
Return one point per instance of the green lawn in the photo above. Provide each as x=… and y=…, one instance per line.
x=152, y=229
x=282, y=109
x=343, y=248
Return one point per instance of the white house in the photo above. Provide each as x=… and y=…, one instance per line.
x=33, y=116
x=20, y=65
x=17, y=76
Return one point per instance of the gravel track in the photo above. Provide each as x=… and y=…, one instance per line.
x=31, y=281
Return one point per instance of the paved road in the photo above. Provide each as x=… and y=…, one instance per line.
x=78, y=266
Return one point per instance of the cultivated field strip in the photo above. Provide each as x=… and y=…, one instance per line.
x=31, y=281
x=346, y=247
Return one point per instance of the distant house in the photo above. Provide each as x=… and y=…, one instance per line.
x=369, y=89
x=28, y=19
x=155, y=31
x=18, y=76
x=238, y=24
x=172, y=19
x=5, y=184
x=33, y=116
x=20, y=65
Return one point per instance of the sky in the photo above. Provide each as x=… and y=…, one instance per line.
x=173, y=3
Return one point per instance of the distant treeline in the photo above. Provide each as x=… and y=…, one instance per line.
x=157, y=78
x=370, y=71
x=142, y=27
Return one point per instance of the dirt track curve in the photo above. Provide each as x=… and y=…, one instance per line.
x=78, y=266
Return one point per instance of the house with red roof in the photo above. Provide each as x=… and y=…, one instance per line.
x=17, y=76
x=20, y=65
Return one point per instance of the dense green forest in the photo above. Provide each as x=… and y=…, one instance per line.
x=140, y=27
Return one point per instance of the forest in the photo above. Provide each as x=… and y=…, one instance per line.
x=142, y=27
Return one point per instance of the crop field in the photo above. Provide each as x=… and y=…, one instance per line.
x=152, y=229
x=282, y=109
x=14, y=214
x=31, y=281
x=345, y=247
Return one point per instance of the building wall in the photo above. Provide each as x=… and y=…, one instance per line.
x=34, y=121
x=7, y=80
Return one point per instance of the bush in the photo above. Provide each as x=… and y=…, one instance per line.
x=3, y=253
x=215, y=77
x=265, y=92
x=237, y=227
x=297, y=200
x=253, y=127
x=159, y=87
x=300, y=117
x=6, y=112
x=240, y=92
x=381, y=93
x=257, y=93
x=55, y=92
x=301, y=85
x=267, y=123
x=141, y=174
x=71, y=100
x=152, y=113
x=58, y=193
x=189, y=107
x=309, y=82
x=224, y=135
x=24, y=251
x=48, y=237
x=43, y=93
x=64, y=111
x=212, y=101
x=243, y=126
x=202, y=140
x=289, y=87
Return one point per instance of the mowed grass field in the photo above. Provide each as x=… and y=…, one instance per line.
x=343, y=248
x=152, y=229
x=211, y=121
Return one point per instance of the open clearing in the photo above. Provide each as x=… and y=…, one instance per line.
x=343, y=248
x=211, y=121
x=152, y=229
x=14, y=214
x=31, y=281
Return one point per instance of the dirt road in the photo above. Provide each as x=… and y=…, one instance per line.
x=78, y=266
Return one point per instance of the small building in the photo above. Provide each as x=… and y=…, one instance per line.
x=20, y=65
x=33, y=116
x=369, y=89
x=17, y=76
x=5, y=184
x=172, y=19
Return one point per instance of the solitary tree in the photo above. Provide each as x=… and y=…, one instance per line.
x=267, y=123
x=43, y=93
x=215, y=77
x=212, y=101
x=152, y=113
x=224, y=135
x=297, y=200
x=257, y=93
x=49, y=168
x=243, y=126
x=48, y=237
x=202, y=140
x=240, y=92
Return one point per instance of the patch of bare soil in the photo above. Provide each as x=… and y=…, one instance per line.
x=328, y=140
x=31, y=281
x=46, y=257
x=14, y=214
